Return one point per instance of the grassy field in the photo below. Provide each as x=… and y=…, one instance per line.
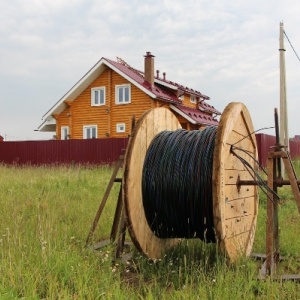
x=46, y=214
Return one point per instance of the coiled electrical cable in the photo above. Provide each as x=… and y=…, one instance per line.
x=177, y=184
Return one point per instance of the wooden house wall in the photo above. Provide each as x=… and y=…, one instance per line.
x=64, y=119
x=186, y=101
x=81, y=113
x=123, y=113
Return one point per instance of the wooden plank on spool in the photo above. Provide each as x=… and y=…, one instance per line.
x=232, y=176
x=244, y=192
x=234, y=126
x=240, y=207
x=237, y=225
x=232, y=161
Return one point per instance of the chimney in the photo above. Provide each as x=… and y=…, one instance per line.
x=149, y=68
x=164, y=74
x=157, y=74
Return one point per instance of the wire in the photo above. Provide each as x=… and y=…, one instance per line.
x=252, y=133
x=177, y=184
x=254, y=173
x=291, y=45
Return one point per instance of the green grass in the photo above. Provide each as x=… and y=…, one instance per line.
x=47, y=212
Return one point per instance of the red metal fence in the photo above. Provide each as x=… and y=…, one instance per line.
x=265, y=143
x=91, y=151
x=97, y=151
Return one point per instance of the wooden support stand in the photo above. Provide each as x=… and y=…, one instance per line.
x=118, y=230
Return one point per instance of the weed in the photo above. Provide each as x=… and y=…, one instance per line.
x=46, y=214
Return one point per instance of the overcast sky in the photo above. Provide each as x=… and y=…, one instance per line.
x=228, y=50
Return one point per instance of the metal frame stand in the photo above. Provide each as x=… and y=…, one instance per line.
x=272, y=258
x=275, y=180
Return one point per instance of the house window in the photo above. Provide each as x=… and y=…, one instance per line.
x=64, y=132
x=123, y=94
x=181, y=97
x=90, y=132
x=98, y=96
x=193, y=99
x=121, y=127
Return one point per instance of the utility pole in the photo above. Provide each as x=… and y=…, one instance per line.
x=284, y=135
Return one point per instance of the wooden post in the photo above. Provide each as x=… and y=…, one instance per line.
x=269, y=263
x=117, y=217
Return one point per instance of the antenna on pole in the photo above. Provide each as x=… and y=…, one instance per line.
x=284, y=136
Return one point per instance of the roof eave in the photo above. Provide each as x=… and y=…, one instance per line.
x=84, y=82
x=183, y=114
x=74, y=90
x=48, y=122
x=182, y=88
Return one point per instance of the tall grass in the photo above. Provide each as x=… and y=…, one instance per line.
x=46, y=214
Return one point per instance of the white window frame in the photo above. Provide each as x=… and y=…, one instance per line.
x=122, y=88
x=100, y=90
x=64, y=132
x=120, y=127
x=86, y=133
x=193, y=99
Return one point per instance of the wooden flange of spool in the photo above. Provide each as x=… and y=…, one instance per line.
x=148, y=126
x=235, y=211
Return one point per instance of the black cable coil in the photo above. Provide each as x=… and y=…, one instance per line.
x=177, y=184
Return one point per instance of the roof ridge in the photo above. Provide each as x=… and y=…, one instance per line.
x=124, y=63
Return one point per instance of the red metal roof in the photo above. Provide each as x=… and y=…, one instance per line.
x=203, y=106
x=202, y=115
x=138, y=77
x=183, y=88
x=197, y=116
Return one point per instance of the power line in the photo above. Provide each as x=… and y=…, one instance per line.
x=291, y=45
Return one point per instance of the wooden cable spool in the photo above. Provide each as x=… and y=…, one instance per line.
x=234, y=209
